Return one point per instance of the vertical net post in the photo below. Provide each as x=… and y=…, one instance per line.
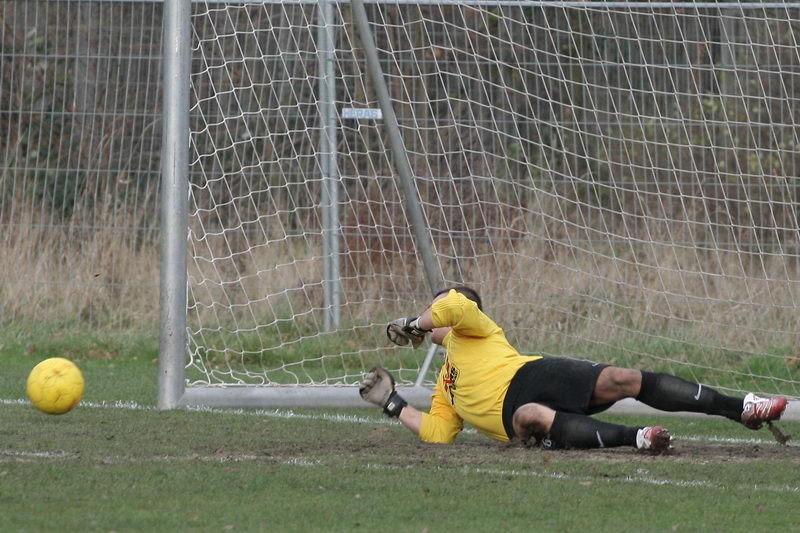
x=330, y=174
x=174, y=209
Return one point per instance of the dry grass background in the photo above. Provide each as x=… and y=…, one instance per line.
x=78, y=276
x=109, y=276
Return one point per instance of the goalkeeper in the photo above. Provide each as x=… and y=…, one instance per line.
x=539, y=400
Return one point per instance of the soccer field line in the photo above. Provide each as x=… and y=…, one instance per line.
x=465, y=470
x=588, y=480
x=341, y=418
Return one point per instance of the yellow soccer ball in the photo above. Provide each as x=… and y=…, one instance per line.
x=55, y=385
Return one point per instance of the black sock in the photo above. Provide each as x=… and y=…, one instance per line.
x=579, y=431
x=671, y=393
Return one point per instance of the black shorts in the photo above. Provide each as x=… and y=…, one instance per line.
x=561, y=384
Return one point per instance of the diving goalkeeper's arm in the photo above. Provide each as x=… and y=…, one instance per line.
x=377, y=388
x=413, y=330
x=378, y=385
x=442, y=424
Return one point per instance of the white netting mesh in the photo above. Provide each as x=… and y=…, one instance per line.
x=619, y=182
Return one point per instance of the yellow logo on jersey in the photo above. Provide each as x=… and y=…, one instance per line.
x=449, y=377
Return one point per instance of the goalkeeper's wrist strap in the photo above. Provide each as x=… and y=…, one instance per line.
x=394, y=405
x=414, y=325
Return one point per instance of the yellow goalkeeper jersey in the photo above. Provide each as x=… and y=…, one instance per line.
x=474, y=379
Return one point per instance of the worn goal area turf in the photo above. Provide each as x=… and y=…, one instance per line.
x=115, y=463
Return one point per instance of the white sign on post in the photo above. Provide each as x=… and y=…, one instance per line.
x=362, y=113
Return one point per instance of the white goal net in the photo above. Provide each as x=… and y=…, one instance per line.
x=619, y=180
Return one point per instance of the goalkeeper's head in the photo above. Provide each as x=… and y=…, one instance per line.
x=468, y=292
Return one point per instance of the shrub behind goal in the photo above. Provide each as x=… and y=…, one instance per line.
x=617, y=179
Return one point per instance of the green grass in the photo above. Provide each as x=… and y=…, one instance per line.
x=101, y=468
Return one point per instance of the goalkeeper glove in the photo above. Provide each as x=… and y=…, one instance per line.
x=405, y=330
x=378, y=388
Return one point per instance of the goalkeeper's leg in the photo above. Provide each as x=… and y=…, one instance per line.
x=556, y=429
x=664, y=392
x=671, y=393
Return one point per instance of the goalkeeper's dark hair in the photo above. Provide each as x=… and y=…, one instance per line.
x=470, y=293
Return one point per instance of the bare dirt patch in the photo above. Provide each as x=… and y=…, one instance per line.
x=386, y=449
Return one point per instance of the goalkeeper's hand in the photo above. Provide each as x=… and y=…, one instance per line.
x=377, y=388
x=405, y=330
